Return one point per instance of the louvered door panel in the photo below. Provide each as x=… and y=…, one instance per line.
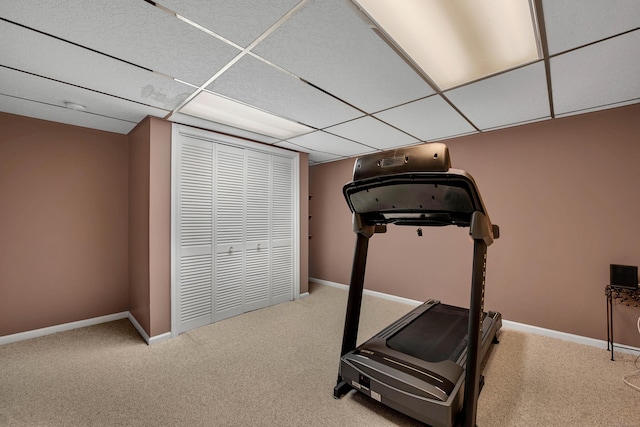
x=229, y=192
x=282, y=199
x=282, y=276
x=195, y=191
x=282, y=230
x=258, y=196
x=229, y=284
x=257, y=230
x=257, y=278
x=195, y=288
x=195, y=235
x=229, y=231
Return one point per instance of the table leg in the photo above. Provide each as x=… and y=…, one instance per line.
x=610, y=322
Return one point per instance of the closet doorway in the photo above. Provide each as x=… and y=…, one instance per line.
x=235, y=227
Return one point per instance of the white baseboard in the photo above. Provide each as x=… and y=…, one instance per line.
x=149, y=340
x=21, y=336
x=507, y=324
x=407, y=301
x=139, y=328
x=303, y=295
x=61, y=328
x=522, y=327
x=159, y=338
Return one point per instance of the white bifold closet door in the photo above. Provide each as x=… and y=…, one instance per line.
x=234, y=231
x=282, y=211
x=242, y=231
x=194, y=212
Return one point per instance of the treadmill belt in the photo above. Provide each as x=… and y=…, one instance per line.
x=440, y=333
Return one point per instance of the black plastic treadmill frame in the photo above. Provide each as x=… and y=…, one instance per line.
x=369, y=370
x=428, y=163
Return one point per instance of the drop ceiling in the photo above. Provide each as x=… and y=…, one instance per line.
x=318, y=63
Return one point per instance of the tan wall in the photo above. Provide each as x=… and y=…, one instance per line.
x=565, y=194
x=160, y=227
x=150, y=225
x=139, y=296
x=85, y=220
x=63, y=223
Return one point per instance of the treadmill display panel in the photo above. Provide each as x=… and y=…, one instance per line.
x=440, y=333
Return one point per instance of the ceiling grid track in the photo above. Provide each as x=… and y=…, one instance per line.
x=243, y=52
x=77, y=86
x=76, y=44
x=539, y=13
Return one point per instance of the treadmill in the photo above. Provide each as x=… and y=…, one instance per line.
x=426, y=364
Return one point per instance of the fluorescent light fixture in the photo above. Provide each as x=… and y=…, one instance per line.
x=219, y=109
x=458, y=41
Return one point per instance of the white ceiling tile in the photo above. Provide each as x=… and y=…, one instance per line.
x=573, y=23
x=331, y=144
x=602, y=74
x=314, y=156
x=253, y=82
x=526, y=122
x=292, y=146
x=427, y=119
x=67, y=63
x=55, y=113
x=373, y=133
x=330, y=45
x=598, y=108
x=239, y=21
x=510, y=98
x=133, y=31
x=30, y=87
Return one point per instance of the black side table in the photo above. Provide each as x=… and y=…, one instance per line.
x=620, y=296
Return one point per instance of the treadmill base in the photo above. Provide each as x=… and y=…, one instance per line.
x=414, y=387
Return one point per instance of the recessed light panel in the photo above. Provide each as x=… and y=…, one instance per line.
x=455, y=42
x=223, y=110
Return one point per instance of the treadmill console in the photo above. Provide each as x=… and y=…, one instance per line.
x=415, y=186
x=432, y=157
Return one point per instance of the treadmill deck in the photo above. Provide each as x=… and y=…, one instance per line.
x=416, y=365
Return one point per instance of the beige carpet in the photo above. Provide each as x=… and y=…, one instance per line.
x=277, y=367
